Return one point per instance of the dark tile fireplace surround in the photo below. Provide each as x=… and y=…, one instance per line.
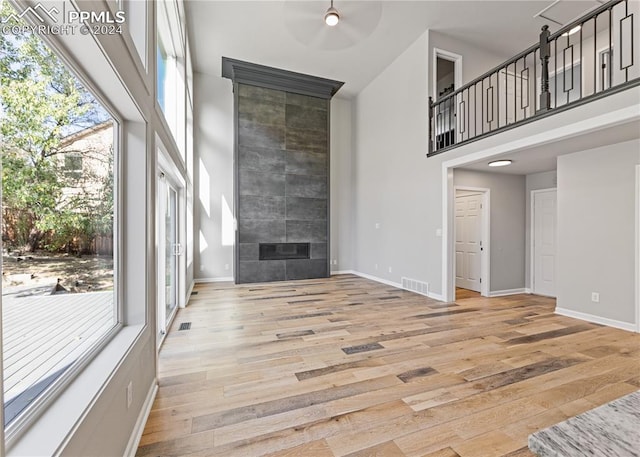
x=282, y=173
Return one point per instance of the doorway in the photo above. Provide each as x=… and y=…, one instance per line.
x=543, y=241
x=471, y=234
x=169, y=250
x=447, y=77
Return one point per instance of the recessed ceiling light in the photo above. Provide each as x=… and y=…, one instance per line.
x=576, y=29
x=331, y=17
x=500, y=163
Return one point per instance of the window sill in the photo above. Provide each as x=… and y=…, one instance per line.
x=51, y=431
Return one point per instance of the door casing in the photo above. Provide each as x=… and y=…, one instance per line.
x=532, y=265
x=485, y=272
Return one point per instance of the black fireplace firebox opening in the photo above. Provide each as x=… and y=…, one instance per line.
x=284, y=251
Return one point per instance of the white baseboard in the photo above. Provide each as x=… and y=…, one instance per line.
x=138, y=429
x=397, y=285
x=434, y=296
x=502, y=293
x=376, y=279
x=597, y=319
x=209, y=280
x=193, y=283
x=343, y=272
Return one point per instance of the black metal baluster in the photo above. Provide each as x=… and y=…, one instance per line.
x=555, y=78
x=545, y=53
x=430, y=126
x=610, y=48
x=581, y=62
x=596, y=63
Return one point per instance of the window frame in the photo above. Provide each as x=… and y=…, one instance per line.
x=32, y=413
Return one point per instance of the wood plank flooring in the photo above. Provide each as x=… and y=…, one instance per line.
x=466, y=293
x=349, y=367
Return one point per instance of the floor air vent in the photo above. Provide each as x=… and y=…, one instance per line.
x=416, y=286
x=185, y=326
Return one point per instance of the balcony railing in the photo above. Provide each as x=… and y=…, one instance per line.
x=587, y=59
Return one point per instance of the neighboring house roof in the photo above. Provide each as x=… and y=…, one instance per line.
x=83, y=134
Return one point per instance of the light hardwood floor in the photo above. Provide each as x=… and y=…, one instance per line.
x=349, y=367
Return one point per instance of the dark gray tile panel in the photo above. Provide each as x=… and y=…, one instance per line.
x=249, y=251
x=306, y=269
x=262, y=159
x=306, y=140
x=261, y=271
x=306, y=231
x=319, y=251
x=306, y=186
x=308, y=209
x=306, y=163
x=305, y=100
x=257, y=231
x=260, y=135
x=264, y=184
x=302, y=117
x=263, y=112
x=261, y=207
x=261, y=93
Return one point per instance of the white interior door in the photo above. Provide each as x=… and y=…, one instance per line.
x=544, y=242
x=468, y=231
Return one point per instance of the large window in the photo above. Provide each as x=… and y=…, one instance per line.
x=59, y=183
x=170, y=70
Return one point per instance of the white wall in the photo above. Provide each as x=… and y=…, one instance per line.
x=596, y=231
x=391, y=172
x=213, y=177
x=341, y=186
x=507, y=237
x=395, y=185
x=534, y=181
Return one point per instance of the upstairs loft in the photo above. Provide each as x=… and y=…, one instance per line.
x=586, y=60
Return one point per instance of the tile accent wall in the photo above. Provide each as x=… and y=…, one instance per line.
x=282, y=182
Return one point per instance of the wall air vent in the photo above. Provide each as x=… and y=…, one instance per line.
x=416, y=286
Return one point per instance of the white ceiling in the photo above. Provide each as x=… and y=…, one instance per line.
x=291, y=34
x=544, y=157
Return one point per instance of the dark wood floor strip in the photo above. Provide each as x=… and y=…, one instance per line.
x=362, y=348
x=527, y=372
x=417, y=373
x=551, y=334
x=444, y=313
x=236, y=415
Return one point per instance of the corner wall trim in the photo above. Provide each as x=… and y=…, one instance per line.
x=629, y=326
x=502, y=293
x=189, y=290
x=138, y=429
x=209, y=280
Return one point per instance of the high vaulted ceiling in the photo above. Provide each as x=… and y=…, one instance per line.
x=371, y=34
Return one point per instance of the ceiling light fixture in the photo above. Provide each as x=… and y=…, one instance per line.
x=500, y=163
x=331, y=17
x=576, y=29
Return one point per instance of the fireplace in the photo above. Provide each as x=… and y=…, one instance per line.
x=284, y=251
x=281, y=197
